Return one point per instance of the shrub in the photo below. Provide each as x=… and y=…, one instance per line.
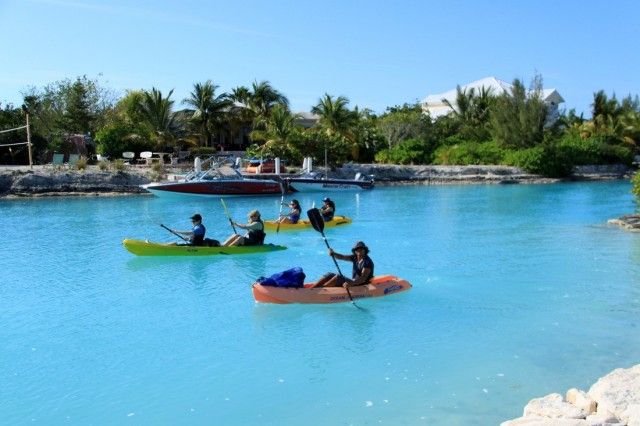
x=549, y=160
x=203, y=151
x=635, y=181
x=118, y=165
x=410, y=151
x=81, y=164
x=595, y=151
x=103, y=165
x=468, y=153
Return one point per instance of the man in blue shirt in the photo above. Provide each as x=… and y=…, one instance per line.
x=196, y=235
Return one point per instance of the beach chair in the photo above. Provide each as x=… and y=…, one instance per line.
x=58, y=160
x=128, y=156
x=145, y=157
x=73, y=160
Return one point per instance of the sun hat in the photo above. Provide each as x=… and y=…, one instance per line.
x=196, y=217
x=326, y=199
x=358, y=245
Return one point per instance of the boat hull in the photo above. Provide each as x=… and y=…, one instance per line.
x=303, y=224
x=145, y=248
x=382, y=285
x=218, y=188
x=323, y=185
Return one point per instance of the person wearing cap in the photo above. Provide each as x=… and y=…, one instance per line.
x=294, y=213
x=361, y=273
x=328, y=209
x=255, y=232
x=195, y=237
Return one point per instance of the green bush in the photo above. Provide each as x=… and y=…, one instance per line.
x=103, y=165
x=203, y=151
x=118, y=165
x=549, y=160
x=595, y=151
x=410, y=151
x=470, y=153
x=635, y=181
x=113, y=140
x=81, y=164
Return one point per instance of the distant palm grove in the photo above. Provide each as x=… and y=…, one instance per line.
x=509, y=129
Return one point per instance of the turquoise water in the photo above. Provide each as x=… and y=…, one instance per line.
x=519, y=291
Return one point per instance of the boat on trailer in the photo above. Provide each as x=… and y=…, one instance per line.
x=215, y=178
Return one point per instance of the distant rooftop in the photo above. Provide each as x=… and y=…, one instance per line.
x=435, y=105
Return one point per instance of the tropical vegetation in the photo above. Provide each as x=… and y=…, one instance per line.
x=512, y=128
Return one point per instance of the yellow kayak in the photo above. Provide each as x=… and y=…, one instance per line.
x=146, y=248
x=272, y=225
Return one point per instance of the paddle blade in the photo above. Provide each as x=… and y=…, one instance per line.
x=316, y=219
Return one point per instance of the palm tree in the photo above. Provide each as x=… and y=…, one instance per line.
x=157, y=112
x=335, y=117
x=263, y=97
x=337, y=121
x=208, y=109
x=279, y=131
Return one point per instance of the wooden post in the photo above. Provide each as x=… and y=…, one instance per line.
x=29, y=143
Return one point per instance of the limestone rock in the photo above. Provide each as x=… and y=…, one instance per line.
x=581, y=400
x=554, y=407
x=619, y=393
x=544, y=421
x=629, y=222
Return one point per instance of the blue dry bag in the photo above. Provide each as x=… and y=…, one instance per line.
x=293, y=277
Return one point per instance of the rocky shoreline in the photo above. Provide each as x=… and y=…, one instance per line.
x=613, y=400
x=47, y=181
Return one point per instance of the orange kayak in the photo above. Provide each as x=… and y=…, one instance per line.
x=382, y=285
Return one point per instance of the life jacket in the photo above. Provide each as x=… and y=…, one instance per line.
x=329, y=215
x=198, y=240
x=255, y=237
x=358, y=268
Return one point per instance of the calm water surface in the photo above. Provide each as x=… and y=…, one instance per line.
x=519, y=291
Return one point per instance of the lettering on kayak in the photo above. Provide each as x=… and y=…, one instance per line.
x=393, y=288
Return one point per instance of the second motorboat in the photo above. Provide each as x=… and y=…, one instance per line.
x=215, y=178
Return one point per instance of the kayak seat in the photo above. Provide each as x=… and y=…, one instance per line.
x=211, y=243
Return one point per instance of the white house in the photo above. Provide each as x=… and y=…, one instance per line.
x=436, y=107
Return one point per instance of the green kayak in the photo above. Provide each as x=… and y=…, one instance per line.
x=146, y=248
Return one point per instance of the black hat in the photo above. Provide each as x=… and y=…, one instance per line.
x=197, y=217
x=326, y=199
x=358, y=245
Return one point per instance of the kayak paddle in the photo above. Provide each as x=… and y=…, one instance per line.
x=280, y=213
x=226, y=211
x=174, y=233
x=318, y=224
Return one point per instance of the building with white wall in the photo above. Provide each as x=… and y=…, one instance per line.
x=436, y=106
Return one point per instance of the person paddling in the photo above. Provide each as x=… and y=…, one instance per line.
x=254, y=236
x=362, y=271
x=328, y=209
x=195, y=237
x=294, y=213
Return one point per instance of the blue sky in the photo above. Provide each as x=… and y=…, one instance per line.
x=376, y=53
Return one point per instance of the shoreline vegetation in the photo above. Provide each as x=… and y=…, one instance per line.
x=42, y=181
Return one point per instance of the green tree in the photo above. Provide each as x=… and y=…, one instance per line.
x=279, y=134
x=403, y=122
x=518, y=117
x=263, y=98
x=157, y=112
x=208, y=109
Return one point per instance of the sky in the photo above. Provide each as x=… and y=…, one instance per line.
x=376, y=53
